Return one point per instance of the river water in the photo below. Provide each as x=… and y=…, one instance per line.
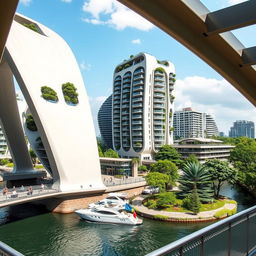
x=33, y=231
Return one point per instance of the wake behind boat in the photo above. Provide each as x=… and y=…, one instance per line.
x=105, y=214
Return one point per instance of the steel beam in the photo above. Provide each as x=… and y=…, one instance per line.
x=233, y=17
x=7, y=11
x=184, y=20
x=249, y=56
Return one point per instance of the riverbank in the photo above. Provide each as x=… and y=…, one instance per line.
x=219, y=213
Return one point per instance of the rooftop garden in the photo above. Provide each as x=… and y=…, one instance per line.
x=49, y=94
x=70, y=94
x=32, y=26
x=30, y=123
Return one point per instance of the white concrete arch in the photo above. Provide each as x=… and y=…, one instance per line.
x=67, y=132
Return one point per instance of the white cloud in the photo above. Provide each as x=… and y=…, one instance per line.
x=66, y=1
x=112, y=13
x=85, y=66
x=216, y=97
x=136, y=41
x=26, y=2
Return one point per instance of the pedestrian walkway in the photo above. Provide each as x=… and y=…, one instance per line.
x=178, y=216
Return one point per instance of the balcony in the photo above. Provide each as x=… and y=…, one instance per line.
x=159, y=73
x=134, y=94
x=159, y=94
x=137, y=105
x=137, y=99
x=138, y=82
x=159, y=78
x=137, y=77
x=138, y=71
x=126, y=90
x=137, y=116
x=127, y=80
x=159, y=100
x=138, y=88
x=137, y=133
x=138, y=110
x=125, y=100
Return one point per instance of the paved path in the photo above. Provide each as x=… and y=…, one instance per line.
x=137, y=203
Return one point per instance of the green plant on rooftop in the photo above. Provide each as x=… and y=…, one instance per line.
x=159, y=69
x=30, y=123
x=32, y=26
x=70, y=94
x=49, y=94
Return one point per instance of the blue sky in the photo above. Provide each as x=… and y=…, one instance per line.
x=102, y=33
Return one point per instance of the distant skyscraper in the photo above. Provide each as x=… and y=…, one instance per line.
x=188, y=123
x=211, y=127
x=142, y=106
x=105, y=121
x=242, y=128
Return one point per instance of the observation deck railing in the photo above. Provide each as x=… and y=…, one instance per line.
x=6, y=250
x=117, y=182
x=233, y=236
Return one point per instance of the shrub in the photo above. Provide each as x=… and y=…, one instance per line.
x=9, y=165
x=70, y=94
x=160, y=217
x=165, y=199
x=39, y=166
x=31, y=26
x=221, y=213
x=4, y=161
x=30, y=123
x=192, y=202
x=151, y=204
x=49, y=94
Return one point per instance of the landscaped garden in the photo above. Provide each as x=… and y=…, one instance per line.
x=197, y=187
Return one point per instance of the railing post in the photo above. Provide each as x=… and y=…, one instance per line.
x=202, y=246
x=247, y=234
x=181, y=251
x=229, y=239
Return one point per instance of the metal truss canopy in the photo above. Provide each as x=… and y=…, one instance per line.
x=185, y=20
x=230, y=18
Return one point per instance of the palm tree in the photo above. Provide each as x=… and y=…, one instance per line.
x=196, y=177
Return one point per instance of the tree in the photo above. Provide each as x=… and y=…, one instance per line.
x=191, y=158
x=100, y=149
x=243, y=156
x=111, y=153
x=166, y=167
x=157, y=179
x=142, y=168
x=167, y=152
x=33, y=156
x=220, y=172
x=196, y=176
x=192, y=202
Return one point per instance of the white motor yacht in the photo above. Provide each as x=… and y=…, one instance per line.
x=113, y=199
x=109, y=215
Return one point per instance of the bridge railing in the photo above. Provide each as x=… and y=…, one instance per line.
x=6, y=250
x=235, y=235
x=123, y=181
x=24, y=192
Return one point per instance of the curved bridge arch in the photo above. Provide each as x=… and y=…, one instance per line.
x=42, y=58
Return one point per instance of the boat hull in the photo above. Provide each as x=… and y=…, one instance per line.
x=94, y=217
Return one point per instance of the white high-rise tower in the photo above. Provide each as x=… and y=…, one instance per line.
x=142, y=106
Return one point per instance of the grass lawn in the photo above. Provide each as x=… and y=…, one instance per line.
x=204, y=207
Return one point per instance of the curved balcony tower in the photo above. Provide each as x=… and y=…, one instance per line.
x=142, y=103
